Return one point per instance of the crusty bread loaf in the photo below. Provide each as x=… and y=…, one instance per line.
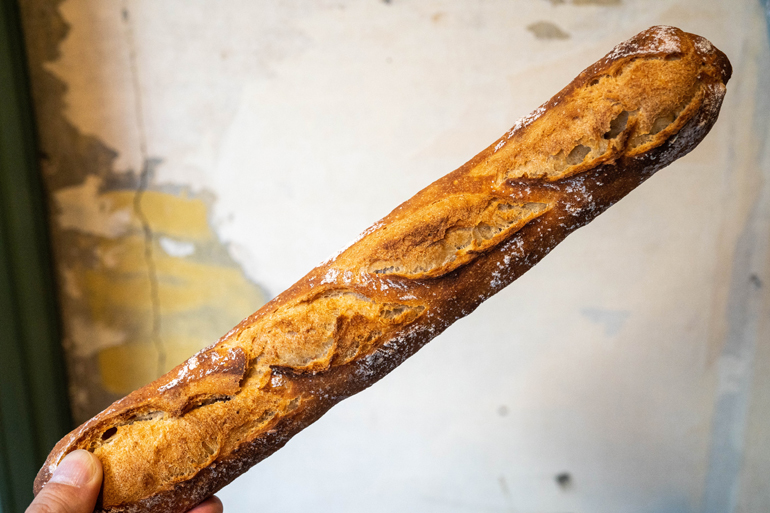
x=431, y=261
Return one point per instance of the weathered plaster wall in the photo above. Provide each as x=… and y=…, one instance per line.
x=144, y=279
x=194, y=149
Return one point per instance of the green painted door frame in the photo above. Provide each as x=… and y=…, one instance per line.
x=34, y=410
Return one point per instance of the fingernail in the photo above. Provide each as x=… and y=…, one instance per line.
x=76, y=469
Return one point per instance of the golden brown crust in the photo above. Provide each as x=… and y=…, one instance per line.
x=433, y=260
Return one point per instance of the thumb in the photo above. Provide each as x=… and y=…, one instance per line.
x=73, y=488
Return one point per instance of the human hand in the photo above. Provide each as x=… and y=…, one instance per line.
x=75, y=485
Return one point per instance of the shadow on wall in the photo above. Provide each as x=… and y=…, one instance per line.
x=767, y=13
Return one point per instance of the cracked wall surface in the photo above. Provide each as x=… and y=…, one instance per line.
x=192, y=150
x=145, y=281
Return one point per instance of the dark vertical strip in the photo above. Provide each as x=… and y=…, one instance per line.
x=766, y=3
x=34, y=411
x=17, y=447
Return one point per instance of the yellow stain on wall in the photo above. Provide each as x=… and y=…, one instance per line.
x=128, y=366
x=125, y=367
x=181, y=284
x=180, y=217
x=199, y=297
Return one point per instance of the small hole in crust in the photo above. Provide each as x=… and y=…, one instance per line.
x=109, y=433
x=292, y=404
x=662, y=123
x=209, y=448
x=617, y=125
x=391, y=312
x=596, y=80
x=578, y=154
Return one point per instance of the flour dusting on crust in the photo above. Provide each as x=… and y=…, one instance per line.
x=525, y=121
x=664, y=40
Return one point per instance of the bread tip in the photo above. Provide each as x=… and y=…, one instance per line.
x=714, y=56
x=668, y=40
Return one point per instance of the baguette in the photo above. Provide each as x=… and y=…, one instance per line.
x=433, y=260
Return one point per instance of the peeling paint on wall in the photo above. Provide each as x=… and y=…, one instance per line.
x=136, y=324
x=611, y=320
x=200, y=291
x=144, y=280
x=547, y=30
x=82, y=208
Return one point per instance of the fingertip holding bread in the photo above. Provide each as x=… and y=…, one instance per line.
x=433, y=260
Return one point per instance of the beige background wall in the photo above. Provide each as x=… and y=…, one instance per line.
x=200, y=156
